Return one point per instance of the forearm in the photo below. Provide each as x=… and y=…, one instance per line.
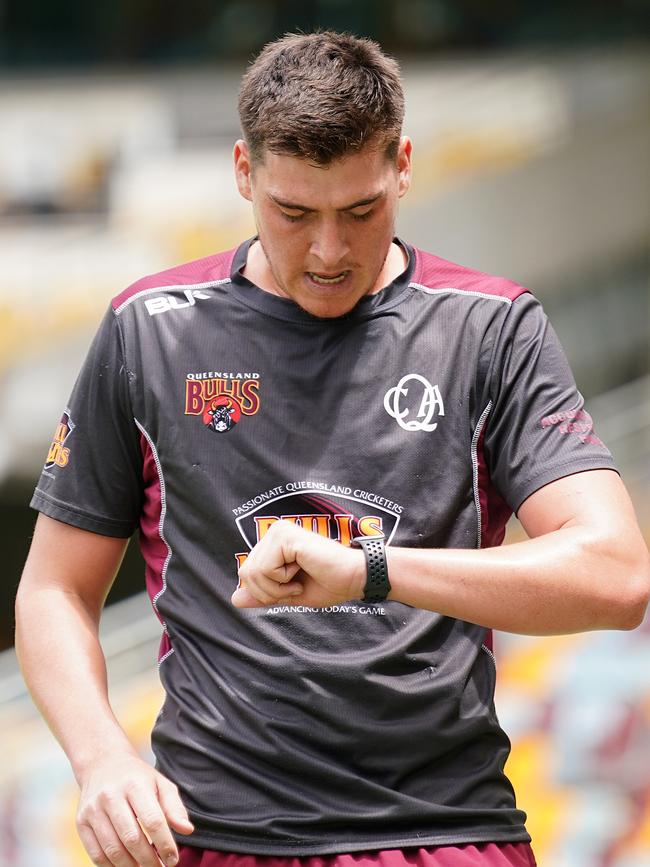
x=64, y=667
x=126, y=808
x=564, y=581
x=586, y=566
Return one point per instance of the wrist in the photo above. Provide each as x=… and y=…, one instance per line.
x=103, y=749
x=377, y=585
x=359, y=573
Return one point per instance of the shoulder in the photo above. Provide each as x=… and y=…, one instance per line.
x=201, y=273
x=434, y=275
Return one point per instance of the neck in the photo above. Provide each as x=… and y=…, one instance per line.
x=258, y=272
x=395, y=263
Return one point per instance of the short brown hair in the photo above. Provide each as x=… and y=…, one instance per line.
x=321, y=96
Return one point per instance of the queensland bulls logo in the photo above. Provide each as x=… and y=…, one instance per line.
x=222, y=413
x=340, y=517
x=59, y=452
x=222, y=399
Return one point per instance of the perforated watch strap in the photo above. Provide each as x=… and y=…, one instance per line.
x=377, y=584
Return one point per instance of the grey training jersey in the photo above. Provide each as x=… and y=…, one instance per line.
x=207, y=410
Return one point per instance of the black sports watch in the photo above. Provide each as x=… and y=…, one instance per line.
x=377, y=584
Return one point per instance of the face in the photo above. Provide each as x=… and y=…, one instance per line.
x=325, y=232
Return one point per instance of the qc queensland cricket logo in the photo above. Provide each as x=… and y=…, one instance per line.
x=414, y=403
x=59, y=453
x=340, y=517
x=222, y=399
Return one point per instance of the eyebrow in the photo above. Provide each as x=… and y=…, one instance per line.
x=292, y=206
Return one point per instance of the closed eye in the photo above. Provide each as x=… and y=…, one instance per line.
x=365, y=215
x=293, y=218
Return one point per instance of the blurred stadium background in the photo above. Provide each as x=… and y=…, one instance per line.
x=531, y=124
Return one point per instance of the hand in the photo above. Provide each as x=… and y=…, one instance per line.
x=297, y=567
x=126, y=810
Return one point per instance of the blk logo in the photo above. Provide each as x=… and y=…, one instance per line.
x=414, y=402
x=163, y=303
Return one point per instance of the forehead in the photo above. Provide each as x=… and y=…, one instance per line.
x=362, y=175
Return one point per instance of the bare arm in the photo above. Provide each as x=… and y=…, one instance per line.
x=64, y=584
x=585, y=566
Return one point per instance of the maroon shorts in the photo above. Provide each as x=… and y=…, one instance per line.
x=470, y=855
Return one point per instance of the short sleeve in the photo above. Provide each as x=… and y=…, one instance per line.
x=92, y=477
x=537, y=429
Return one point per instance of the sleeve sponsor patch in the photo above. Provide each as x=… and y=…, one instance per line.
x=59, y=452
x=576, y=422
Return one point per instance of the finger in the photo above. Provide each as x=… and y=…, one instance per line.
x=111, y=846
x=154, y=824
x=130, y=834
x=268, y=592
x=265, y=585
x=243, y=598
x=153, y=821
x=92, y=847
x=284, y=573
x=173, y=807
x=259, y=563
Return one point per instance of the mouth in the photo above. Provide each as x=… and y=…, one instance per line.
x=327, y=279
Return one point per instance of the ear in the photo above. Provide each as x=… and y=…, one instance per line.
x=404, y=164
x=241, y=157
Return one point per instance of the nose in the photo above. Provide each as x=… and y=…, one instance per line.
x=329, y=244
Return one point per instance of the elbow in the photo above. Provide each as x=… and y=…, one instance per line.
x=18, y=607
x=634, y=597
x=21, y=606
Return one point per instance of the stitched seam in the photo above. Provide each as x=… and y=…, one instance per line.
x=161, y=531
x=475, y=439
x=163, y=658
x=471, y=292
x=489, y=653
x=81, y=512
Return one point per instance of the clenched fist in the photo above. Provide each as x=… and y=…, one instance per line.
x=297, y=567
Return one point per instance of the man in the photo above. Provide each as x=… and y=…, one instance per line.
x=256, y=412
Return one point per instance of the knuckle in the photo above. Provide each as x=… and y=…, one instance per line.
x=277, y=528
x=113, y=852
x=171, y=788
x=131, y=788
x=108, y=798
x=131, y=838
x=86, y=815
x=243, y=573
x=153, y=822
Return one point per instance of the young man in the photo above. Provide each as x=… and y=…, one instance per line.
x=256, y=412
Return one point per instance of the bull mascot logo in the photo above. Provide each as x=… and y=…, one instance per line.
x=221, y=413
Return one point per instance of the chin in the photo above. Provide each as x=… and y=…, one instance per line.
x=329, y=311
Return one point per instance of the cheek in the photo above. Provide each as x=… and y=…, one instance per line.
x=286, y=246
x=290, y=238
x=278, y=230
x=373, y=239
